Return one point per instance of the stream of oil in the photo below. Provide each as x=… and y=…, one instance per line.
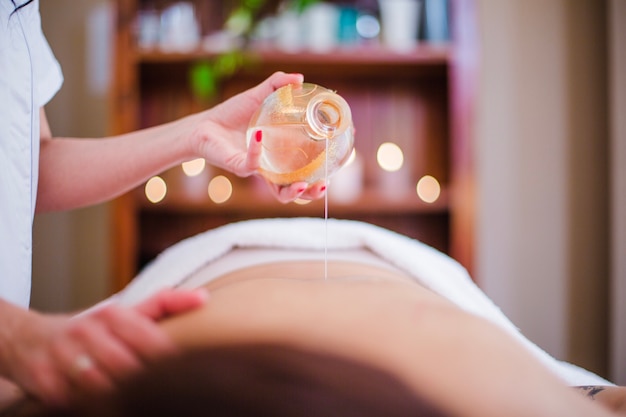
x=326, y=213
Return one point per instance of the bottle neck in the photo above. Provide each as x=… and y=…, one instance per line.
x=328, y=115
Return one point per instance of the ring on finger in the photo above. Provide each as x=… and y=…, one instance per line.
x=82, y=363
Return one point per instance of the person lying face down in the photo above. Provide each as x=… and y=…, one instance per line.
x=461, y=364
x=361, y=308
x=388, y=302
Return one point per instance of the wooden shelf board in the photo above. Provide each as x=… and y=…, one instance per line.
x=249, y=201
x=365, y=55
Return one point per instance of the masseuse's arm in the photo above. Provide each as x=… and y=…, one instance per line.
x=55, y=357
x=80, y=172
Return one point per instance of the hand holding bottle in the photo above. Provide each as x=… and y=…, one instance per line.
x=307, y=134
x=219, y=136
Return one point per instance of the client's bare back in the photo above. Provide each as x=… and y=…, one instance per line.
x=387, y=321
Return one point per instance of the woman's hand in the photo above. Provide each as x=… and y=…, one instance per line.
x=219, y=136
x=56, y=358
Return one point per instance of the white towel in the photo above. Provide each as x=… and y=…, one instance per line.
x=429, y=267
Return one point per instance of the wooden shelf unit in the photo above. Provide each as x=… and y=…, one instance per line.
x=420, y=100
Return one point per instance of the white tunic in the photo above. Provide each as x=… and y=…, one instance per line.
x=29, y=78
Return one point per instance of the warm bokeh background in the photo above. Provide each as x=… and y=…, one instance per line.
x=550, y=141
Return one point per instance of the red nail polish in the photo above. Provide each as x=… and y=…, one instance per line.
x=323, y=188
x=301, y=190
x=258, y=136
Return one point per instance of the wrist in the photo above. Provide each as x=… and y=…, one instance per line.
x=12, y=319
x=189, y=137
x=23, y=331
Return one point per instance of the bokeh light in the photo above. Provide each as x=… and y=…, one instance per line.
x=367, y=26
x=301, y=201
x=220, y=189
x=194, y=167
x=390, y=157
x=155, y=189
x=428, y=189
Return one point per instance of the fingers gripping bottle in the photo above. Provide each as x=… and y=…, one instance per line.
x=307, y=134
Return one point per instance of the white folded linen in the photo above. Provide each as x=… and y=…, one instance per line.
x=428, y=266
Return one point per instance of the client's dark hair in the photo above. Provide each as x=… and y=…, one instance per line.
x=253, y=380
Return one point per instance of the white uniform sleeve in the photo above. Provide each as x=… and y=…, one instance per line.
x=46, y=68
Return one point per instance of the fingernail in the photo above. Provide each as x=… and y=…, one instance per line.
x=322, y=188
x=301, y=190
x=258, y=136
